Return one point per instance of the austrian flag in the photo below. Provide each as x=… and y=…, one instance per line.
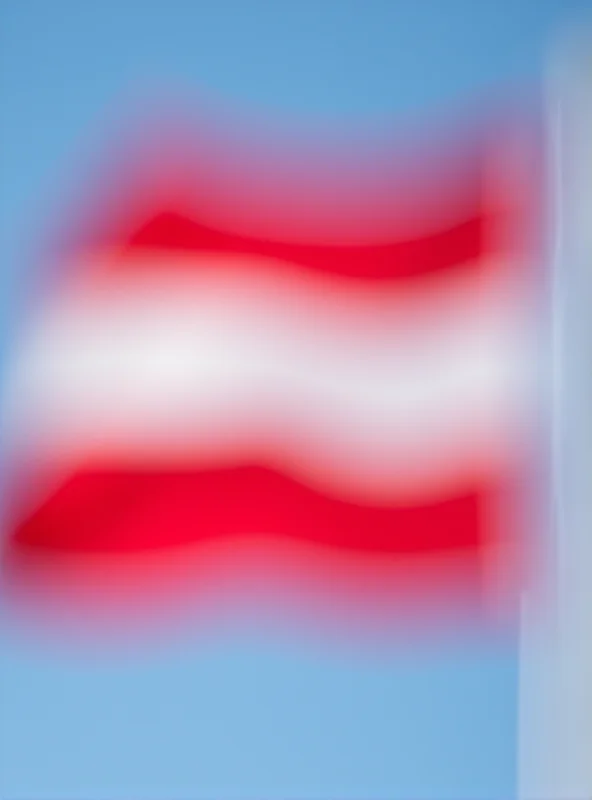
x=311, y=386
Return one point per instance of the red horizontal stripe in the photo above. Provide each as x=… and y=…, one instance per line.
x=446, y=249
x=131, y=511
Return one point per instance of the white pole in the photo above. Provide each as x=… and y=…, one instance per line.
x=555, y=759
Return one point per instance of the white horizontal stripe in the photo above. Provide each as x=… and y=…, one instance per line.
x=183, y=368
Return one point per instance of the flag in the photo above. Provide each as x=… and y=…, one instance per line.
x=313, y=386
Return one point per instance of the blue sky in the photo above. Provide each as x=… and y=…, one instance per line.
x=245, y=714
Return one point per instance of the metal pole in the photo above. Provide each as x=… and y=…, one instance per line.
x=555, y=759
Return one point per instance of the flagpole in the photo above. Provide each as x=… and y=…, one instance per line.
x=555, y=742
